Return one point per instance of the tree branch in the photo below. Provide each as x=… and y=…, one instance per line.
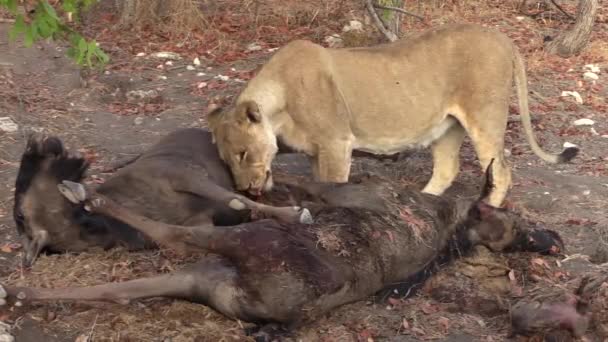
x=561, y=9
x=391, y=36
x=400, y=10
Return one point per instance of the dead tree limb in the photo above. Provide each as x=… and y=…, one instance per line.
x=561, y=9
x=391, y=36
x=400, y=10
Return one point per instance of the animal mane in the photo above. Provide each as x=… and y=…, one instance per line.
x=62, y=167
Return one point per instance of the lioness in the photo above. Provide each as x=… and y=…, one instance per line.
x=427, y=90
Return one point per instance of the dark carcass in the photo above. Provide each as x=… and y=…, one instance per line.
x=180, y=180
x=368, y=235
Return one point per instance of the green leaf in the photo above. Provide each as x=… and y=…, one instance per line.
x=69, y=6
x=48, y=9
x=28, y=40
x=18, y=27
x=12, y=6
x=102, y=56
x=91, y=48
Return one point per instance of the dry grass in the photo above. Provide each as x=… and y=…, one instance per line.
x=145, y=320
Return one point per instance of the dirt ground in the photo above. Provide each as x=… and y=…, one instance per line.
x=41, y=90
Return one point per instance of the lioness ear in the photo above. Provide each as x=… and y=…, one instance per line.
x=213, y=118
x=251, y=111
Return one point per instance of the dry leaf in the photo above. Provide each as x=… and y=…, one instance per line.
x=405, y=324
x=428, y=308
x=390, y=235
x=445, y=323
x=418, y=331
x=394, y=301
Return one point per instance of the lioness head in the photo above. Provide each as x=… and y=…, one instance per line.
x=246, y=143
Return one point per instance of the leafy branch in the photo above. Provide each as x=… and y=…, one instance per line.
x=42, y=22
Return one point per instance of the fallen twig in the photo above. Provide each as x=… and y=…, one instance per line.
x=6, y=20
x=391, y=36
x=561, y=9
x=400, y=10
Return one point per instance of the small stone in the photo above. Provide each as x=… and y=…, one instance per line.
x=507, y=152
x=138, y=120
x=141, y=54
x=222, y=77
x=190, y=67
x=107, y=72
x=584, y=122
x=200, y=74
x=272, y=49
x=353, y=25
x=587, y=192
x=162, y=77
x=254, y=47
x=201, y=85
x=569, y=144
x=334, y=41
x=167, y=55
x=3, y=293
x=8, y=125
x=546, y=193
x=196, y=61
x=209, y=68
x=575, y=94
x=590, y=76
x=21, y=295
x=520, y=18
x=18, y=303
x=592, y=67
x=6, y=337
x=169, y=63
x=594, y=132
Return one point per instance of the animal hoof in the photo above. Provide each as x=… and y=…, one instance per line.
x=74, y=192
x=306, y=217
x=237, y=204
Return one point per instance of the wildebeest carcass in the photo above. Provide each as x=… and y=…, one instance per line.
x=367, y=236
x=180, y=180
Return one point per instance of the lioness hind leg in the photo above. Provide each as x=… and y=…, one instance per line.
x=490, y=145
x=446, y=162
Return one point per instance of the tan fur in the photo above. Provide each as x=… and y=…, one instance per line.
x=429, y=90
